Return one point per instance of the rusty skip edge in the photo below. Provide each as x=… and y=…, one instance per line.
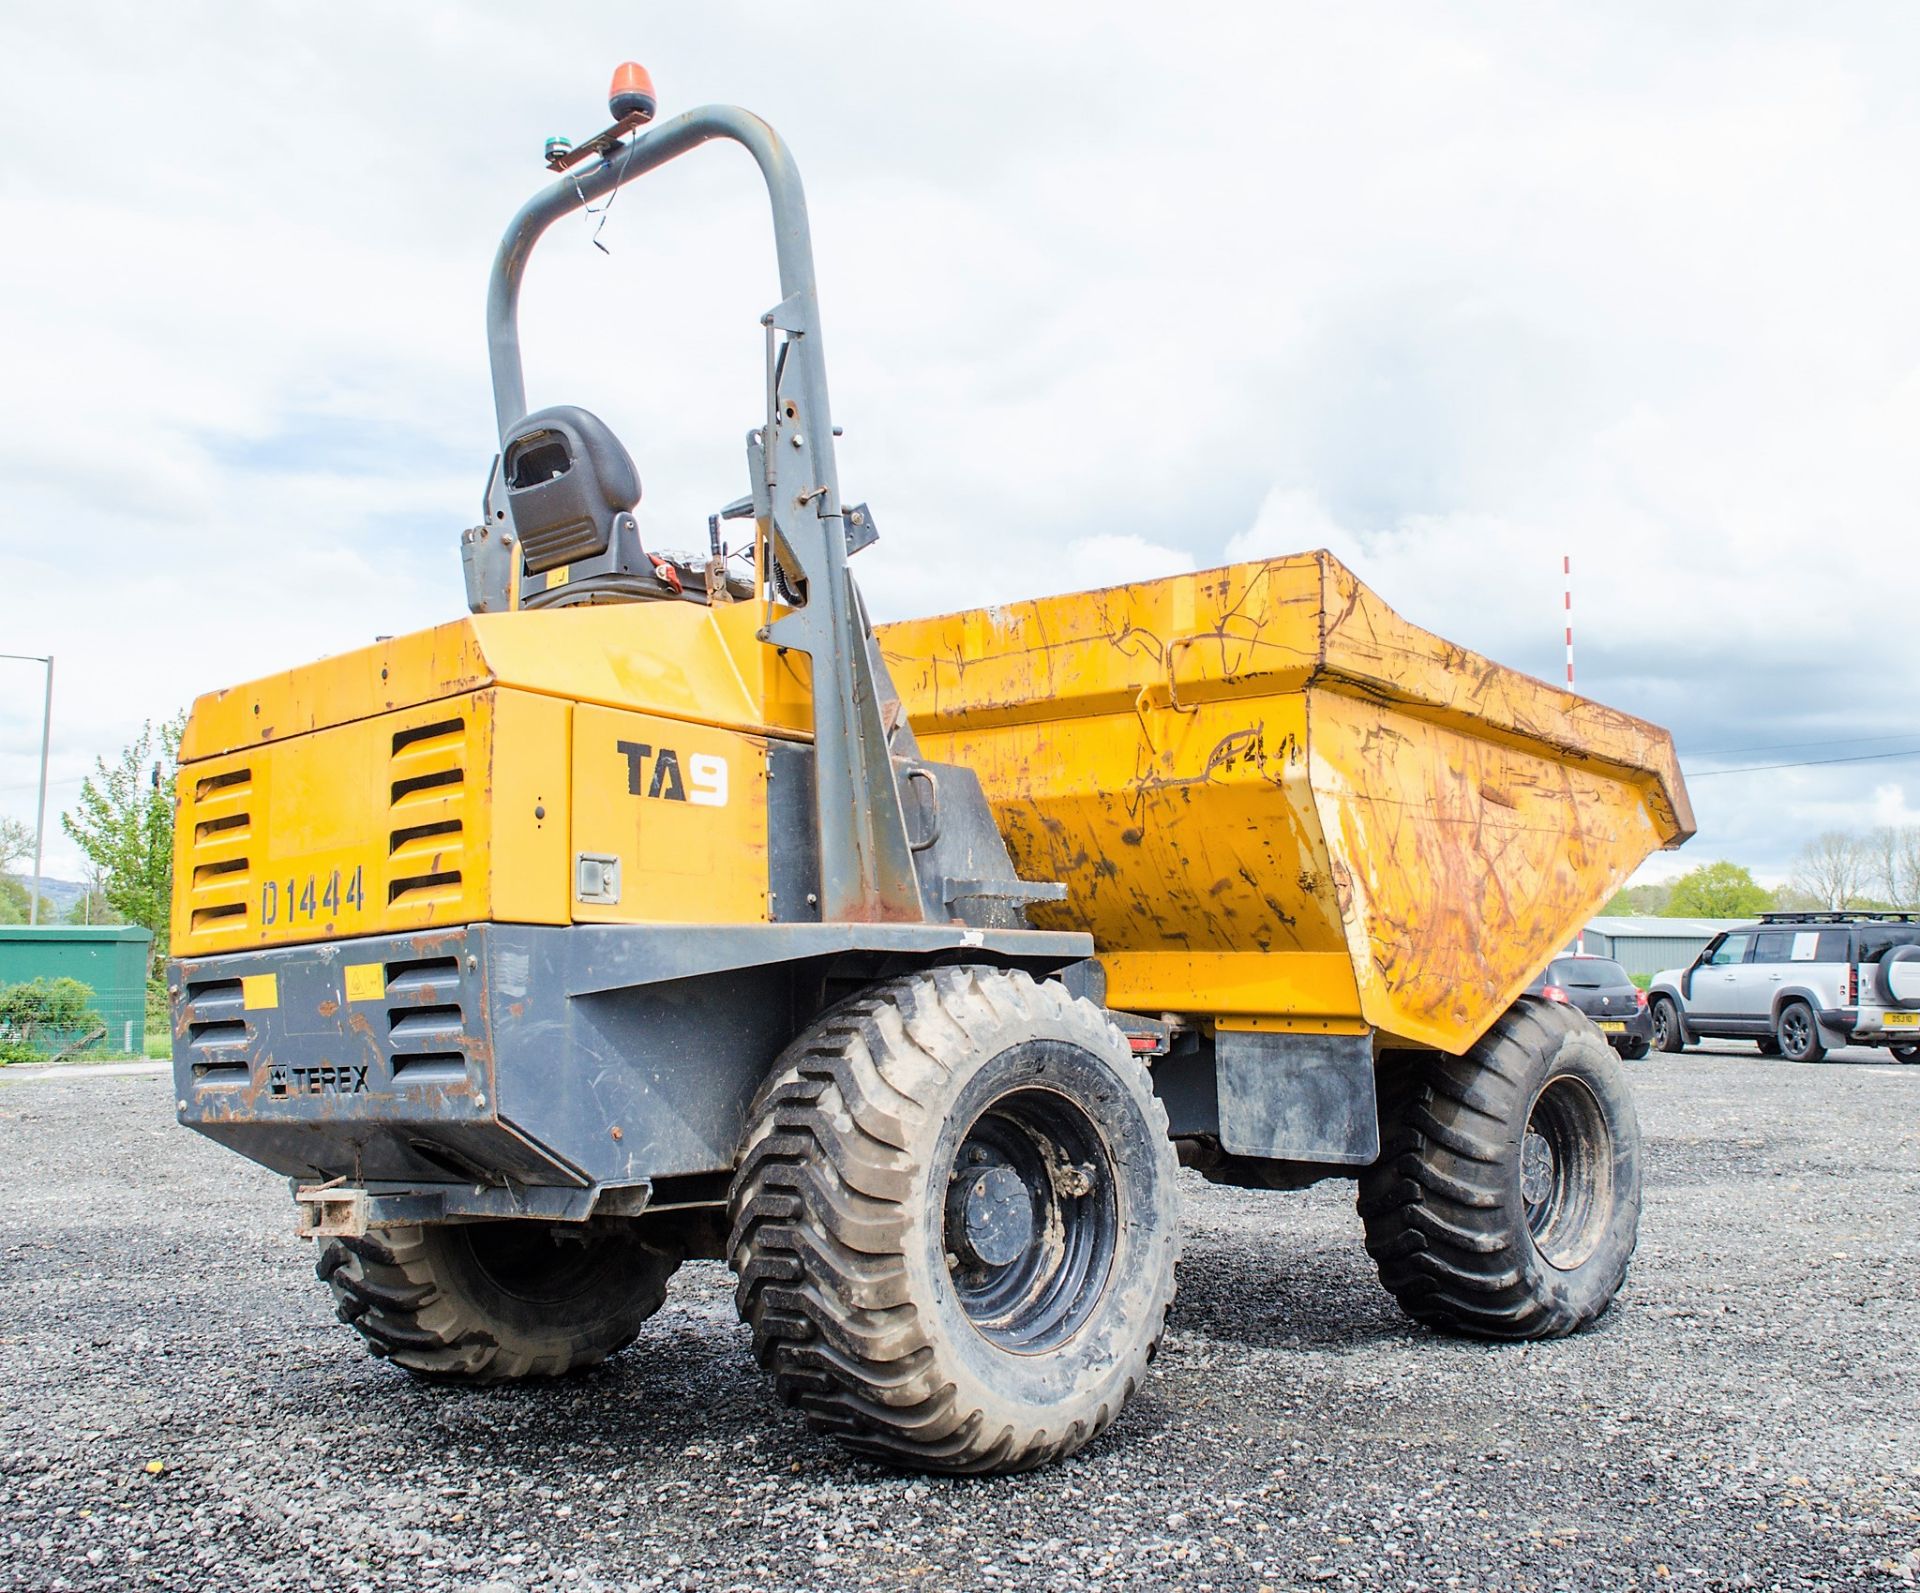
x=1112, y=650
x=1369, y=651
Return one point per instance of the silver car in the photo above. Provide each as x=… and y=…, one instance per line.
x=1797, y=984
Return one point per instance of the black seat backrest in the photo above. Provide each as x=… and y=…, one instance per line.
x=569, y=481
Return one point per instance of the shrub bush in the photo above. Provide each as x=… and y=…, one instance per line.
x=47, y=1017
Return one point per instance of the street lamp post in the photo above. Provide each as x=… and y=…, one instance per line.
x=40, y=817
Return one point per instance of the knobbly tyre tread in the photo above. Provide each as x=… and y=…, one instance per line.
x=1439, y=1207
x=822, y=1218
x=394, y=1288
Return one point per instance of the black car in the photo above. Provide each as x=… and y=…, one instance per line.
x=1599, y=987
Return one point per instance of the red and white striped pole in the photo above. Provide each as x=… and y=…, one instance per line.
x=1566, y=568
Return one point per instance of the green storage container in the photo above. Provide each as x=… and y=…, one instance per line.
x=110, y=958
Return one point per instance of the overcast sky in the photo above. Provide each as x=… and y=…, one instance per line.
x=1107, y=292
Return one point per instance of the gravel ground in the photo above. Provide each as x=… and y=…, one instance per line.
x=183, y=1412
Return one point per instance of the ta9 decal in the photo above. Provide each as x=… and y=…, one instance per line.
x=709, y=777
x=703, y=782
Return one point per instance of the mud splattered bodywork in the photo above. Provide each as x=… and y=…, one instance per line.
x=1277, y=804
x=395, y=972
x=508, y=1069
x=628, y=920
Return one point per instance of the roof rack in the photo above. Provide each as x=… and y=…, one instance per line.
x=1841, y=918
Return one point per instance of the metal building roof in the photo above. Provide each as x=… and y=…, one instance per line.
x=74, y=932
x=1642, y=926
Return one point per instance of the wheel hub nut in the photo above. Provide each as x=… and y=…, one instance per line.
x=995, y=1215
x=1536, y=1168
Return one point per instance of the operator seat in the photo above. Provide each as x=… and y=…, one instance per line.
x=572, y=489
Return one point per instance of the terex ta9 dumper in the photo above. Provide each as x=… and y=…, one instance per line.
x=660, y=910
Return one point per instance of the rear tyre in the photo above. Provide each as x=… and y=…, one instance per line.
x=1766, y=1045
x=1669, y=1034
x=1797, y=1033
x=955, y=1223
x=1905, y=1053
x=1634, y=1049
x=487, y=1302
x=1506, y=1200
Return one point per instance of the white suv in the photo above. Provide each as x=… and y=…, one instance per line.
x=1798, y=983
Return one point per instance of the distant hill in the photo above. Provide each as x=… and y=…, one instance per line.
x=65, y=894
x=62, y=895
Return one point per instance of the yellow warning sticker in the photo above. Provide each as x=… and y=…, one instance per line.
x=260, y=992
x=366, y=981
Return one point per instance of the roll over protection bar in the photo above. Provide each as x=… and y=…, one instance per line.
x=866, y=865
x=642, y=153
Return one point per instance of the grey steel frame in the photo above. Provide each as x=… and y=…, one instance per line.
x=866, y=862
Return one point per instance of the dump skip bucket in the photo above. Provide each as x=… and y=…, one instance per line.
x=1279, y=806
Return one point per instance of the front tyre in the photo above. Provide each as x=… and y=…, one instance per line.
x=1506, y=1200
x=487, y=1302
x=955, y=1223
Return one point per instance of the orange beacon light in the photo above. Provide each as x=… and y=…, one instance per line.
x=631, y=93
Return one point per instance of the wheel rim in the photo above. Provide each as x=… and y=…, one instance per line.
x=1796, y=1032
x=1661, y=1019
x=1566, y=1172
x=1032, y=1223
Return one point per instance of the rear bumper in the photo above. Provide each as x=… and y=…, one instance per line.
x=499, y=1057
x=1635, y=1025
x=1872, y=1027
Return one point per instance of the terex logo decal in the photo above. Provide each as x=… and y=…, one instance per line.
x=706, y=775
x=322, y=1080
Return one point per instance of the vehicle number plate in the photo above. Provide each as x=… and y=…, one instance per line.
x=311, y=900
x=1900, y=1020
x=1614, y=1026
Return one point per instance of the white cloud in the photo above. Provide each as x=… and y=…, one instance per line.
x=1290, y=521
x=1452, y=292
x=1890, y=806
x=1112, y=560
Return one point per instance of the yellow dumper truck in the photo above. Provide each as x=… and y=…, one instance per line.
x=661, y=909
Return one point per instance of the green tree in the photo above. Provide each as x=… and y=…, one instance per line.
x=1717, y=890
x=93, y=908
x=123, y=821
x=1833, y=868
x=16, y=843
x=1893, y=863
x=1647, y=901
x=13, y=902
